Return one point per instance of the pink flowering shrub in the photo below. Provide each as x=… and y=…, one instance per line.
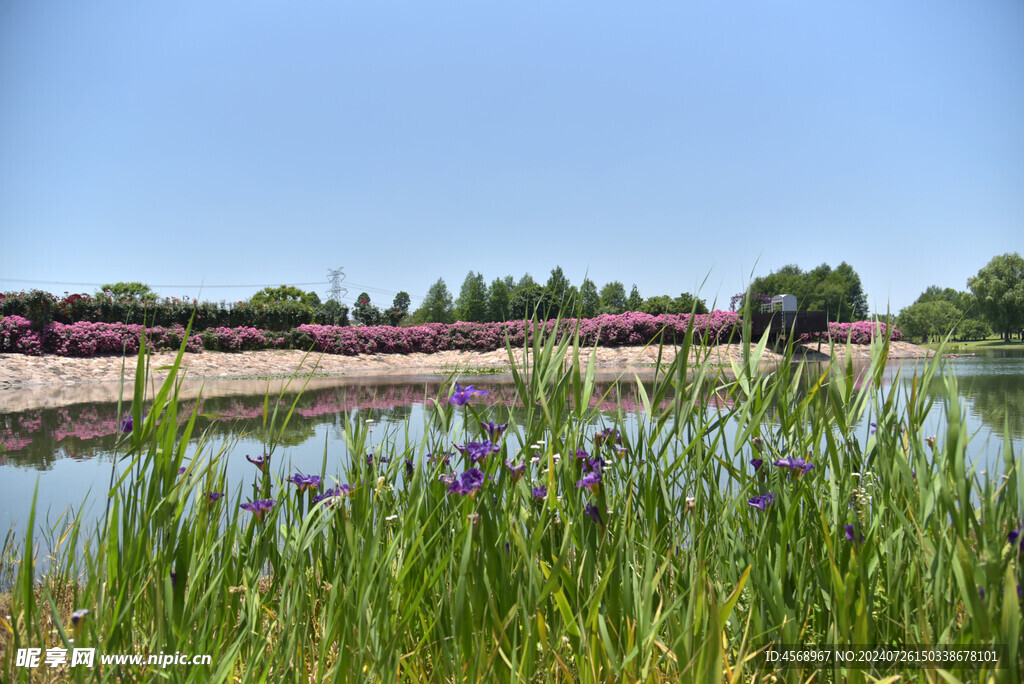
x=17, y=336
x=861, y=332
x=87, y=339
x=236, y=339
x=605, y=330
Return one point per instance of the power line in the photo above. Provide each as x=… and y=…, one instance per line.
x=204, y=286
x=378, y=290
x=368, y=288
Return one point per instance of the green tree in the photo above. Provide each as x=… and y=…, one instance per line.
x=402, y=301
x=913, y=321
x=331, y=312
x=887, y=318
x=973, y=329
x=849, y=301
x=590, y=300
x=437, y=305
x=366, y=313
x=526, y=281
x=399, y=309
x=613, y=298
x=529, y=298
x=635, y=301
x=686, y=302
x=999, y=288
x=789, y=279
x=286, y=293
x=499, y=298
x=928, y=320
x=559, y=293
x=657, y=305
x=132, y=290
x=837, y=292
x=557, y=285
x=935, y=293
x=664, y=304
x=471, y=306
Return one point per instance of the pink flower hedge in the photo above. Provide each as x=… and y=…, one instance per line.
x=87, y=339
x=861, y=332
x=239, y=339
x=606, y=330
x=16, y=335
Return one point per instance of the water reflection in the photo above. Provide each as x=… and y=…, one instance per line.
x=37, y=438
x=68, y=449
x=992, y=386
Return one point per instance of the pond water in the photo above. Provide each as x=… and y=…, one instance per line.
x=69, y=451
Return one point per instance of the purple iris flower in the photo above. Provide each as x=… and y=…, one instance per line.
x=1013, y=536
x=981, y=592
x=126, y=425
x=850, y=536
x=761, y=502
x=595, y=465
x=462, y=395
x=467, y=484
x=795, y=464
x=261, y=462
x=478, y=451
x=540, y=492
x=605, y=435
x=409, y=467
x=757, y=463
x=594, y=513
x=591, y=481
x=446, y=478
x=516, y=470
x=79, y=615
x=259, y=507
x=582, y=456
x=443, y=458
x=214, y=497
x=340, y=490
x=181, y=470
x=492, y=430
x=305, y=482
x=381, y=459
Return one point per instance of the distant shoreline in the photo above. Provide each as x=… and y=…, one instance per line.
x=23, y=372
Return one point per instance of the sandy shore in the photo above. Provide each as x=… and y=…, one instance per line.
x=40, y=381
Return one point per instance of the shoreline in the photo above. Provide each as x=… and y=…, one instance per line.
x=28, y=382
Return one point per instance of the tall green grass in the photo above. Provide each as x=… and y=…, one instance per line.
x=681, y=579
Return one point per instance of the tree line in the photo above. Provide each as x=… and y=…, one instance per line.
x=507, y=299
x=837, y=291
x=994, y=301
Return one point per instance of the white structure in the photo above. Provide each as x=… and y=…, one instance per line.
x=782, y=302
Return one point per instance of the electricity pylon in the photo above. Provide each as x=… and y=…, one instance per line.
x=336, y=276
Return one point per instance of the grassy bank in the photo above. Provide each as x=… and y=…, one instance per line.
x=989, y=344
x=568, y=547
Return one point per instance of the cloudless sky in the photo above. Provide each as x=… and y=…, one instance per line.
x=681, y=146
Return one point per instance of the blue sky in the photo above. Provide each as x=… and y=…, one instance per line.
x=664, y=144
